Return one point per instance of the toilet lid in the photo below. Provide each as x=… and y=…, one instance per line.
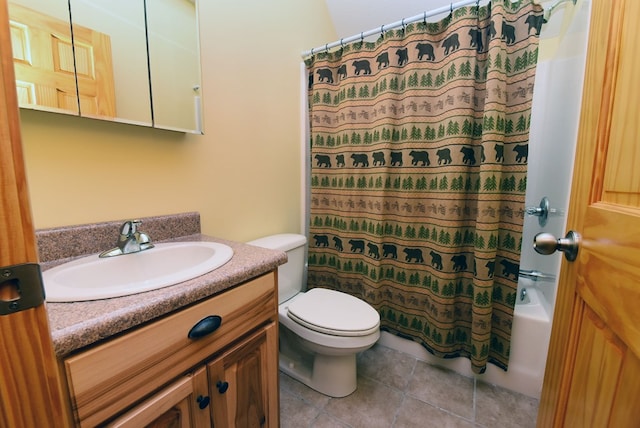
x=334, y=312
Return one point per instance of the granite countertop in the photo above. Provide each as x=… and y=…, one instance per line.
x=79, y=324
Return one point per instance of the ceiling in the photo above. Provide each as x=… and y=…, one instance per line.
x=351, y=17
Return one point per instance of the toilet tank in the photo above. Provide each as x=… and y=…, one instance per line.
x=290, y=274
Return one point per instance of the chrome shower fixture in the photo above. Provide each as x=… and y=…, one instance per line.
x=542, y=211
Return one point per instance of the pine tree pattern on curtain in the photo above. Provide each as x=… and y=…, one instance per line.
x=419, y=153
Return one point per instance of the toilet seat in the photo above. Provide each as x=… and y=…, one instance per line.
x=333, y=312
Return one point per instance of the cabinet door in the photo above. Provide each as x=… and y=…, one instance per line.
x=183, y=404
x=243, y=382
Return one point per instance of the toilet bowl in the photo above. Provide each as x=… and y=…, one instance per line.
x=321, y=330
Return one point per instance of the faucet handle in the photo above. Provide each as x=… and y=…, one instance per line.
x=134, y=226
x=130, y=240
x=129, y=227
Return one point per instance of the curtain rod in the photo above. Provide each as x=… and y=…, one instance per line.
x=415, y=18
x=549, y=11
x=393, y=25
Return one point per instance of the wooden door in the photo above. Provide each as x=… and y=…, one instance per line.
x=593, y=370
x=43, y=58
x=176, y=406
x=94, y=70
x=58, y=73
x=30, y=386
x=243, y=383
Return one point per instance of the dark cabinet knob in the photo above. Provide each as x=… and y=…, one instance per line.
x=222, y=386
x=205, y=327
x=203, y=402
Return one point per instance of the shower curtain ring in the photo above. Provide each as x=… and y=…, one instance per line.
x=403, y=26
x=326, y=47
x=425, y=18
x=451, y=8
x=382, y=31
x=312, y=51
x=341, y=43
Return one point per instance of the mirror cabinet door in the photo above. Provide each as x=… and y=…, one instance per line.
x=131, y=61
x=111, y=60
x=43, y=55
x=174, y=62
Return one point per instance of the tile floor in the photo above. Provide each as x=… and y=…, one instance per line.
x=397, y=390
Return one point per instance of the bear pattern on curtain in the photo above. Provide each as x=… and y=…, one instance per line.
x=419, y=153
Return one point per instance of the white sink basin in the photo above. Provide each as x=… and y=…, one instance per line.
x=92, y=278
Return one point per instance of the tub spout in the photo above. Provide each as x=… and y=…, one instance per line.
x=537, y=275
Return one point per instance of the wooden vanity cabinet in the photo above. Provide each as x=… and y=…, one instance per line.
x=156, y=376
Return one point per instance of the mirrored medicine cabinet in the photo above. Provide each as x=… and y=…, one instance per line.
x=129, y=61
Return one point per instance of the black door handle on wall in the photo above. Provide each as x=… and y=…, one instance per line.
x=205, y=327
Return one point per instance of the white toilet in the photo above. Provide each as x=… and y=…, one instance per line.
x=321, y=331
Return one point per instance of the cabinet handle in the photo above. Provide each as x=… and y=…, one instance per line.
x=205, y=326
x=222, y=386
x=203, y=401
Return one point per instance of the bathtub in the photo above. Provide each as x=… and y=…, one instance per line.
x=530, y=335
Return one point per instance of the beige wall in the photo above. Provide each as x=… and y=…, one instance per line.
x=242, y=176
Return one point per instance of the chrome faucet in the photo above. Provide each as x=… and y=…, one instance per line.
x=130, y=240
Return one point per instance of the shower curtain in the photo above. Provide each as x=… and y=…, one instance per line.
x=419, y=148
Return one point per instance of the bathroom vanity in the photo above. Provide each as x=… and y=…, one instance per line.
x=156, y=373
x=200, y=353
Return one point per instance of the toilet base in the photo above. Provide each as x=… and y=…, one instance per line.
x=334, y=376
x=323, y=362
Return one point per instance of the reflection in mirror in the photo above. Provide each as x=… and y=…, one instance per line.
x=174, y=62
x=43, y=55
x=126, y=61
x=111, y=60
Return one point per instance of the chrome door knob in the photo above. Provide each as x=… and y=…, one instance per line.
x=546, y=243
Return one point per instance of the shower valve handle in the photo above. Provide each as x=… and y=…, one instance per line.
x=546, y=243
